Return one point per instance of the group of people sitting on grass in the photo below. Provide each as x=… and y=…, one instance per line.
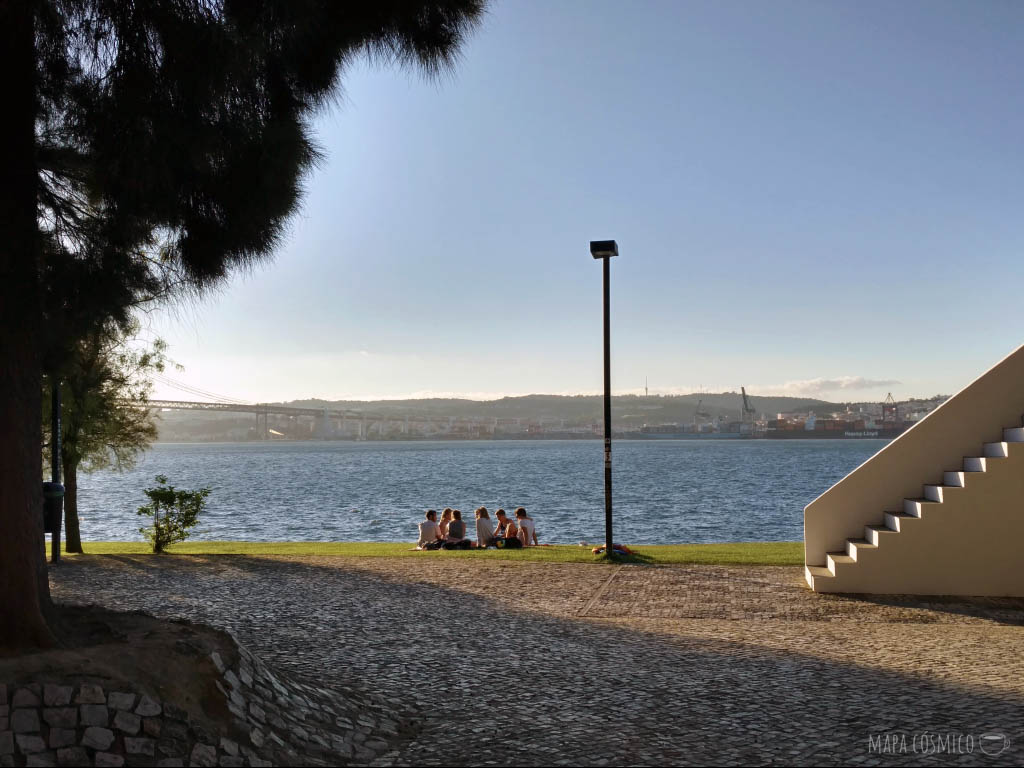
x=450, y=532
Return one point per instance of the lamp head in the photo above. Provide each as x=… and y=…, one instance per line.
x=601, y=249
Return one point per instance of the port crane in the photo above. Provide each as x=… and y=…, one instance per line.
x=700, y=413
x=748, y=409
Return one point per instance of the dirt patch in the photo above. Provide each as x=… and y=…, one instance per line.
x=168, y=660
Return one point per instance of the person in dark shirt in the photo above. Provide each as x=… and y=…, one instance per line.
x=456, y=528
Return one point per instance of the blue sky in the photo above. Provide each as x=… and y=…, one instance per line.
x=809, y=197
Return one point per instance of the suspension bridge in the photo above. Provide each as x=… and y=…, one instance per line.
x=327, y=423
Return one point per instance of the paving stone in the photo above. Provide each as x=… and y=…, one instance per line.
x=127, y=722
x=151, y=708
x=171, y=747
x=62, y=717
x=139, y=746
x=218, y=662
x=232, y=679
x=72, y=756
x=227, y=761
x=645, y=665
x=342, y=747
x=364, y=755
x=6, y=742
x=57, y=695
x=229, y=746
x=256, y=737
x=170, y=762
x=257, y=762
x=25, y=720
x=173, y=729
x=204, y=755
x=62, y=737
x=202, y=735
x=120, y=700
x=42, y=760
x=97, y=738
x=29, y=743
x=25, y=697
x=151, y=726
x=107, y=760
x=94, y=714
x=89, y=693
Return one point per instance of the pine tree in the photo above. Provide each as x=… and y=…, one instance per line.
x=148, y=140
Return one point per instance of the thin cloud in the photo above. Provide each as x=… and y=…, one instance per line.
x=841, y=384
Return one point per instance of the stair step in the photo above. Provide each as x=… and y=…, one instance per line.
x=873, y=533
x=974, y=464
x=852, y=545
x=995, y=450
x=933, y=493
x=1014, y=435
x=894, y=519
x=818, y=572
x=954, y=479
x=916, y=507
x=832, y=559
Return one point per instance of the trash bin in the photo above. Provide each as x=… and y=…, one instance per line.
x=53, y=506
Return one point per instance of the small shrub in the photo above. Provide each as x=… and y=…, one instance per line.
x=174, y=512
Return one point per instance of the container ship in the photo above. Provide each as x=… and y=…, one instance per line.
x=832, y=429
x=813, y=428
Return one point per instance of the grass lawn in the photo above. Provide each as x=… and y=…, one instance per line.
x=754, y=553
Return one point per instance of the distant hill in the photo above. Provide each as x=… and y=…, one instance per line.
x=552, y=411
x=580, y=409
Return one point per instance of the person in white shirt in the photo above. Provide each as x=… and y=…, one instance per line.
x=484, y=528
x=429, y=531
x=527, y=531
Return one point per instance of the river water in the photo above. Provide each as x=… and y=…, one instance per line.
x=665, y=491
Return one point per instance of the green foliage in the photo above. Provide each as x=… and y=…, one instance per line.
x=174, y=513
x=104, y=380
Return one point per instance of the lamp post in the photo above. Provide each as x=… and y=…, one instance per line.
x=53, y=491
x=605, y=249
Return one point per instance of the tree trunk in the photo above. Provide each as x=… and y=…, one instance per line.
x=24, y=589
x=72, y=532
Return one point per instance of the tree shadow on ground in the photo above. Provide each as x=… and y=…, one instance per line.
x=574, y=689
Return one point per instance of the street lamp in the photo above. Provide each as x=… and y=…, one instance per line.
x=605, y=249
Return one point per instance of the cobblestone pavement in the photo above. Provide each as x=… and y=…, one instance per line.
x=538, y=664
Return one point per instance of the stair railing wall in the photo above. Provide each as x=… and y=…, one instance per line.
x=940, y=441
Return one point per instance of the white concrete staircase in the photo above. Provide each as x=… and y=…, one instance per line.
x=964, y=536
